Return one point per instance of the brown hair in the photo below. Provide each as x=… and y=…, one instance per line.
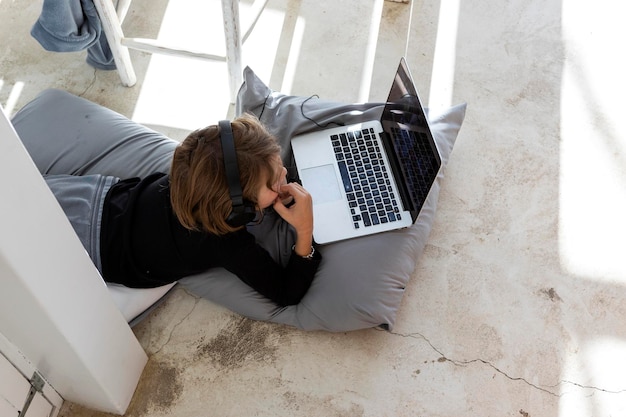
x=198, y=188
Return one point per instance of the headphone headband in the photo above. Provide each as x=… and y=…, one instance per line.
x=243, y=211
x=230, y=162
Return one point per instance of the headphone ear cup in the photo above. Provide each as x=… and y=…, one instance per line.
x=242, y=215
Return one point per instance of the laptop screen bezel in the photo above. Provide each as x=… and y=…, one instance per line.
x=404, y=100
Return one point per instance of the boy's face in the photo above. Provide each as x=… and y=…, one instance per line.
x=270, y=190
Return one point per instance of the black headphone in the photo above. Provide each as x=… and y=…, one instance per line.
x=244, y=211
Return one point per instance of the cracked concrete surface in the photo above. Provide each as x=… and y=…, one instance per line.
x=518, y=304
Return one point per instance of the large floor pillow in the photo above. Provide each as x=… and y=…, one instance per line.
x=361, y=281
x=65, y=134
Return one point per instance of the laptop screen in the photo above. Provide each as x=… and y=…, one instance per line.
x=415, y=150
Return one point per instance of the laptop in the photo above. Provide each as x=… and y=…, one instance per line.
x=373, y=176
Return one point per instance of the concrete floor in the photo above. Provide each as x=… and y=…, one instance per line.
x=518, y=305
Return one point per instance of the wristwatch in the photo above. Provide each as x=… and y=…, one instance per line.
x=309, y=256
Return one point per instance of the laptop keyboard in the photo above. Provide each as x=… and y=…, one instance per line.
x=365, y=178
x=412, y=148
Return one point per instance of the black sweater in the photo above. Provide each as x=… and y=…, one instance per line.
x=144, y=245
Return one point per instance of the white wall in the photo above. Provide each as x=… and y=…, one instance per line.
x=54, y=306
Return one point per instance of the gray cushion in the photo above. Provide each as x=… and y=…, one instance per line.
x=65, y=134
x=360, y=282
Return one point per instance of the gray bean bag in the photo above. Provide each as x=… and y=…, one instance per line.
x=360, y=283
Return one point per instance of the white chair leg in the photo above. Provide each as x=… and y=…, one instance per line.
x=112, y=17
x=122, y=7
x=113, y=32
x=232, y=32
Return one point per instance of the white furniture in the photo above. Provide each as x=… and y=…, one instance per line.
x=112, y=17
x=54, y=307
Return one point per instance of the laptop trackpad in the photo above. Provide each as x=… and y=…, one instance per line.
x=322, y=183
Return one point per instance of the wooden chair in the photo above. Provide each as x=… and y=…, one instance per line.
x=112, y=17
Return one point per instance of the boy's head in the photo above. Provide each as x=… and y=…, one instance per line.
x=199, y=190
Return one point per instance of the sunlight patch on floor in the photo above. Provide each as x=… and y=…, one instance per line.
x=165, y=99
x=593, y=156
x=444, y=61
x=14, y=95
x=599, y=371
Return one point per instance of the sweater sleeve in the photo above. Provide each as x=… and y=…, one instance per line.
x=253, y=265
